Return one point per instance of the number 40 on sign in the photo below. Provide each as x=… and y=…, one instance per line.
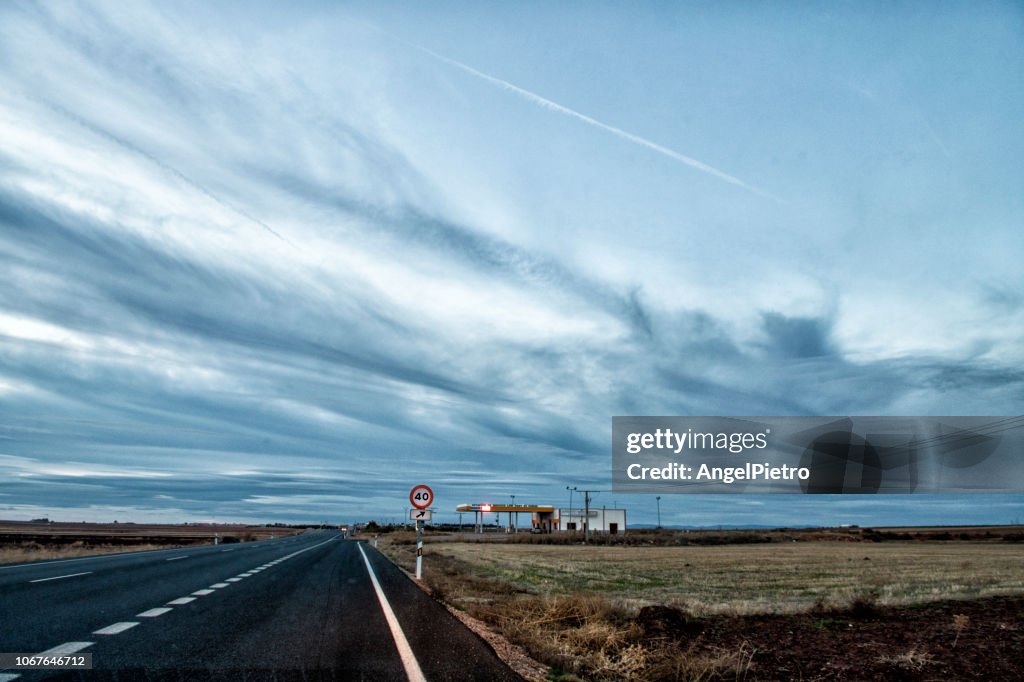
x=421, y=496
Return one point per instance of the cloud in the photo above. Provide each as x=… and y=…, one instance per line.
x=235, y=288
x=797, y=337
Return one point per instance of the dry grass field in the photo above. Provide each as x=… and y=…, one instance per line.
x=23, y=541
x=23, y=553
x=746, y=579
x=812, y=610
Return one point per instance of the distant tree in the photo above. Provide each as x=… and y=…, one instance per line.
x=372, y=527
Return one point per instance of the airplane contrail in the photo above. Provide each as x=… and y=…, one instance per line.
x=618, y=132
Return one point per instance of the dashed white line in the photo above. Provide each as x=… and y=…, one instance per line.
x=409, y=662
x=175, y=558
x=202, y=593
x=234, y=580
x=181, y=600
x=217, y=586
x=153, y=613
x=66, y=649
x=116, y=628
x=59, y=577
x=227, y=550
x=7, y=677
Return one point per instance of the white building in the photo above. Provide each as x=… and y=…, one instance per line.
x=600, y=520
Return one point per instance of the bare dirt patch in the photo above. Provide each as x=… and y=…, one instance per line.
x=976, y=639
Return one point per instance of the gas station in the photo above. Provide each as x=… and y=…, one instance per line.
x=546, y=518
x=537, y=513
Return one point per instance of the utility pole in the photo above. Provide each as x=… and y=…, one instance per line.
x=586, y=516
x=515, y=526
x=658, y=498
x=586, y=513
x=570, y=489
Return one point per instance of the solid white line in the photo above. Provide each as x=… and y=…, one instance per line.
x=59, y=577
x=217, y=586
x=412, y=667
x=66, y=649
x=175, y=558
x=202, y=593
x=153, y=613
x=7, y=677
x=115, y=629
x=181, y=600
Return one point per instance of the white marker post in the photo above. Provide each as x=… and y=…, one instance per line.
x=421, y=497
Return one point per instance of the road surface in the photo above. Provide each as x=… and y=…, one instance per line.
x=309, y=607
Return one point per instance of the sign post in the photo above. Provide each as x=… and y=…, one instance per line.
x=421, y=497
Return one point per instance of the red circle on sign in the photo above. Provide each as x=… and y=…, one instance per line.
x=421, y=496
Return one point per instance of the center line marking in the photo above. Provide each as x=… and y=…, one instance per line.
x=217, y=586
x=66, y=649
x=409, y=662
x=115, y=629
x=202, y=593
x=181, y=600
x=175, y=558
x=59, y=577
x=234, y=580
x=153, y=613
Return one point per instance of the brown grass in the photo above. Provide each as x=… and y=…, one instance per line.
x=748, y=579
x=912, y=660
x=23, y=553
x=578, y=608
x=581, y=637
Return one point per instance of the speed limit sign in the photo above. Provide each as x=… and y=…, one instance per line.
x=421, y=496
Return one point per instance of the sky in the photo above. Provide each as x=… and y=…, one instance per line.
x=282, y=261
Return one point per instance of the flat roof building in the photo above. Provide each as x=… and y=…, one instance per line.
x=548, y=519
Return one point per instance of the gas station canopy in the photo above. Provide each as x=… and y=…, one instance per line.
x=488, y=507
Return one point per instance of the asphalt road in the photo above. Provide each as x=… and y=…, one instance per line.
x=307, y=607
